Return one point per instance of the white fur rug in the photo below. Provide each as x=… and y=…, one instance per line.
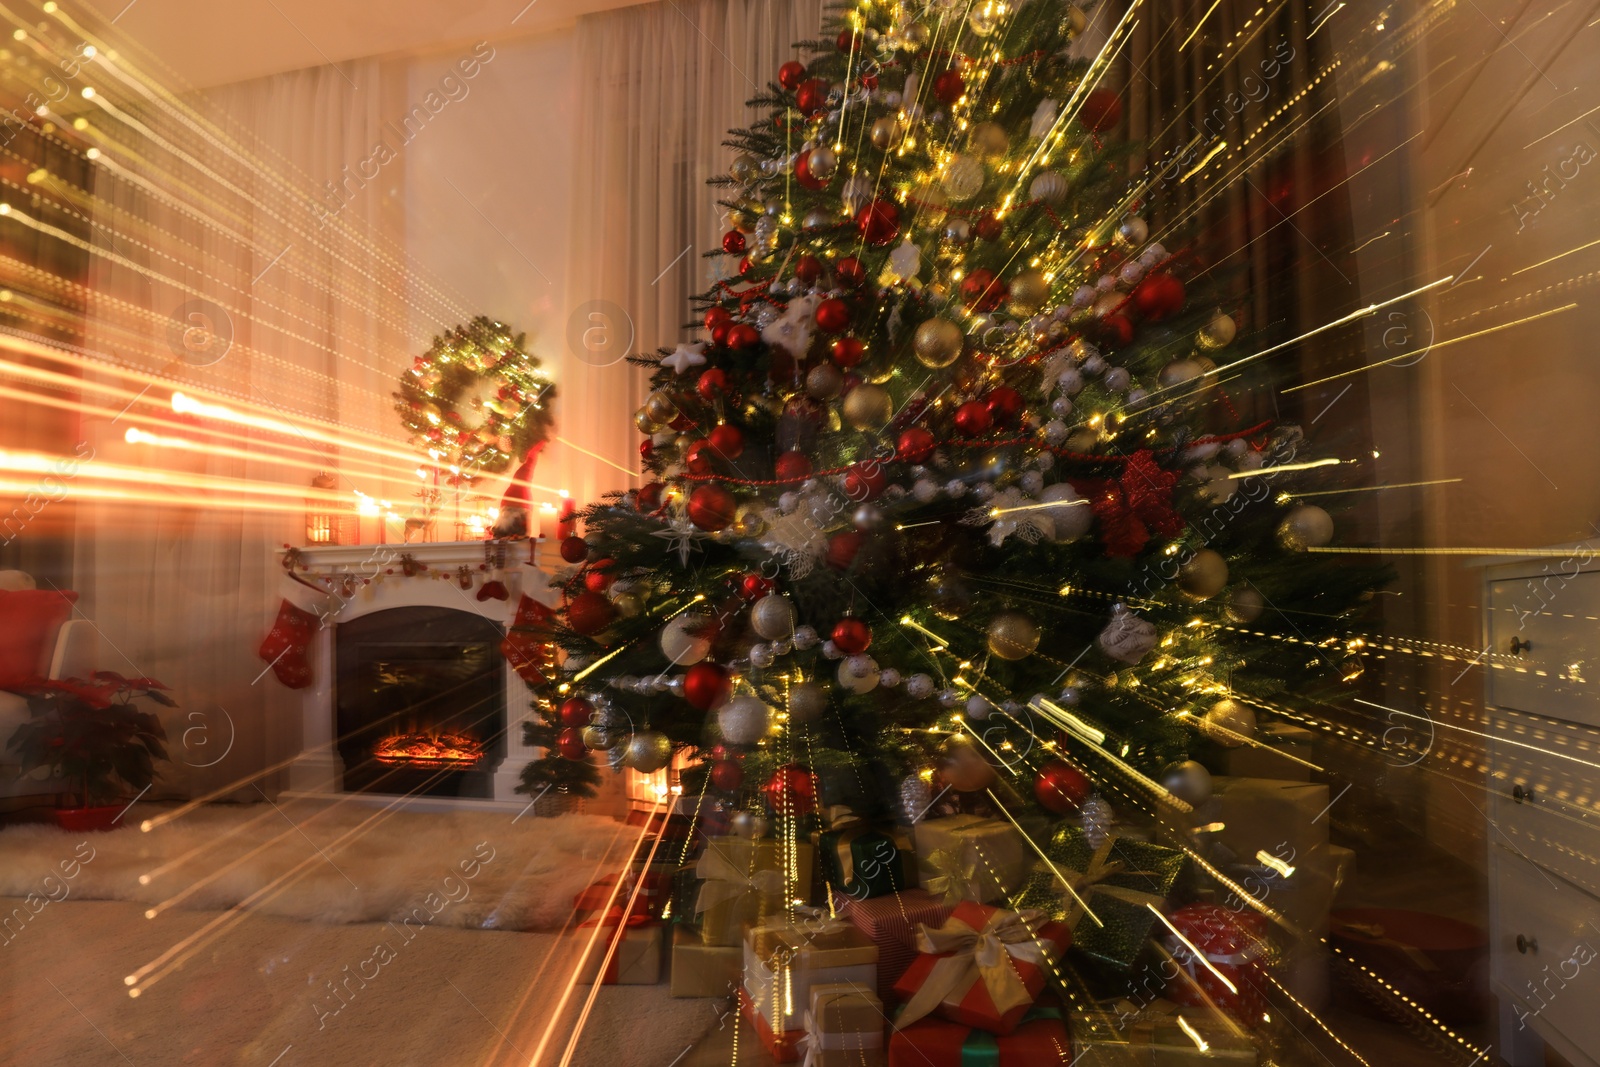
x=331, y=863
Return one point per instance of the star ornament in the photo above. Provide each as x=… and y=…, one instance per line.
x=686, y=358
x=680, y=535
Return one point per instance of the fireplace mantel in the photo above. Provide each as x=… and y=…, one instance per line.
x=316, y=768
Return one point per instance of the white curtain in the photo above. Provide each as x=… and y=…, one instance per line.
x=659, y=85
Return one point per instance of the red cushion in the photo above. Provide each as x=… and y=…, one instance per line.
x=30, y=619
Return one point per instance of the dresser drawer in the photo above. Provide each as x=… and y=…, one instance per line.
x=1553, y=978
x=1544, y=644
x=1545, y=794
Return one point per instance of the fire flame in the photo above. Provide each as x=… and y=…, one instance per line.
x=429, y=750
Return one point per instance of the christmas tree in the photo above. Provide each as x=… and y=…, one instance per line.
x=954, y=493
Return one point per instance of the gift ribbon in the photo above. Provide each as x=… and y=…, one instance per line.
x=723, y=882
x=982, y=1049
x=814, y=1042
x=1081, y=884
x=957, y=877
x=817, y=921
x=971, y=955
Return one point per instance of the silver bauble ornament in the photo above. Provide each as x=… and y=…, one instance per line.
x=919, y=687
x=961, y=177
x=857, y=193
x=816, y=219
x=761, y=655
x=979, y=707
x=750, y=825
x=648, y=751
x=916, y=797
x=887, y=133
x=1049, y=187
x=1188, y=781
x=805, y=637
x=808, y=701
x=1133, y=231
x=858, y=674
x=824, y=381
x=822, y=162
x=1217, y=333
x=1229, y=723
x=1178, y=373
x=773, y=617
x=1306, y=526
x=628, y=605
x=957, y=231
x=744, y=720
x=683, y=639
x=1098, y=819
x=1069, y=511
x=1012, y=635
x=1203, y=575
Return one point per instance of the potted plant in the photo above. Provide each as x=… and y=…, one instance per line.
x=94, y=735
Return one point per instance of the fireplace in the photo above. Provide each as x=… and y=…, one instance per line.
x=420, y=702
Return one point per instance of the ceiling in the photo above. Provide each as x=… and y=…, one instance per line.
x=206, y=43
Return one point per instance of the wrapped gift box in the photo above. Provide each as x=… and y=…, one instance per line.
x=1286, y=746
x=860, y=862
x=946, y=978
x=785, y=960
x=1039, y=1040
x=1235, y=946
x=655, y=889
x=844, y=1027
x=1127, y=1035
x=1285, y=820
x=891, y=922
x=970, y=857
x=743, y=882
x=637, y=956
x=702, y=970
x=782, y=1045
x=1115, y=881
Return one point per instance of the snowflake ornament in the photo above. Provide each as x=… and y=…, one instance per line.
x=680, y=534
x=1011, y=512
x=793, y=330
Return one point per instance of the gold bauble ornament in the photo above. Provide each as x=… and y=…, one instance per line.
x=962, y=766
x=937, y=343
x=596, y=737
x=961, y=177
x=929, y=203
x=645, y=423
x=1217, y=333
x=628, y=605
x=887, y=133
x=824, y=381
x=1077, y=21
x=744, y=169
x=648, y=751
x=867, y=407
x=1012, y=635
x=1204, y=575
x=1245, y=604
x=807, y=702
x=1029, y=290
x=989, y=140
x=1228, y=723
x=1307, y=526
x=660, y=407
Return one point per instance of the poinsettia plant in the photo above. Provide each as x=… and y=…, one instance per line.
x=94, y=734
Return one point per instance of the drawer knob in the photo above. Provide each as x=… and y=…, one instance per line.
x=1527, y=944
x=1520, y=793
x=1519, y=646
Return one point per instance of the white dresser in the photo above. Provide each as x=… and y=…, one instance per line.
x=1542, y=693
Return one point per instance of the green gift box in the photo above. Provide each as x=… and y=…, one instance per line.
x=860, y=862
x=1118, y=882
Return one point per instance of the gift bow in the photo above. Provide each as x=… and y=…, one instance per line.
x=723, y=882
x=814, y=1042
x=957, y=879
x=817, y=922
x=982, y=954
x=1078, y=885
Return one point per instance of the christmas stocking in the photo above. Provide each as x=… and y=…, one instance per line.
x=524, y=646
x=285, y=645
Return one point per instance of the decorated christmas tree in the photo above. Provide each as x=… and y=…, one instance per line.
x=953, y=495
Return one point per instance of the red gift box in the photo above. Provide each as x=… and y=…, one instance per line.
x=1039, y=1040
x=891, y=921
x=952, y=976
x=1235, y=947
x=782, y=1045
x=634, y=946
x=652, y=900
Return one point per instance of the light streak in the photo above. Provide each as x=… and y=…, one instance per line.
x=1552, y=259
x=1375, y=488
x=1199, y=24
x=908, y=621
x=1267, y=860
x=1497, y=738
x=1065, y=719
x=1194, y=952
x=1328, y=461
x=1048, y=862
x=1532, y=553
x=1194, y=1035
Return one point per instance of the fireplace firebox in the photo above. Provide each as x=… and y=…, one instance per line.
x=420, y=702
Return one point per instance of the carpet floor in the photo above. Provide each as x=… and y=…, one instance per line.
x=305, y=974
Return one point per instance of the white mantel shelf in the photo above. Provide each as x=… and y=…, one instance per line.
x=316, y=769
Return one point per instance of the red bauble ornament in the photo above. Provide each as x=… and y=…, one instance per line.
x=852, y=636
x=973, y=419
x=792, y=467
x=803, y=175
x=791, y=791
x=717, y=316
x=846, y=41
x=575, y=549
x=589, y=613
x=879, y=223
x=647, y=448
x=733, y=242
x=864, y=481
x=811, y=97
x=949, y=86
x=754, y=586
x=569, y=743
x=697, y=459
x=808, y=269
x=744, y=265
x=833, y=315
x=743, y=335
x=1158, y=296
x=1004, y=404
x=850, y=272
x=726, y=775
x=791, y=74
x=711, y=507
x=727, y=440
x=1116, y=330
x=915, y=445
x=848, y=351
x=989, y=227
x=649, y=497
x=1061, y=787
x=719, y=333
x=1101, y=111
x=575, y=711
x=597, y=581
x=705, y=685
x=712, y=384
x=981, y=290
x=842, y=549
